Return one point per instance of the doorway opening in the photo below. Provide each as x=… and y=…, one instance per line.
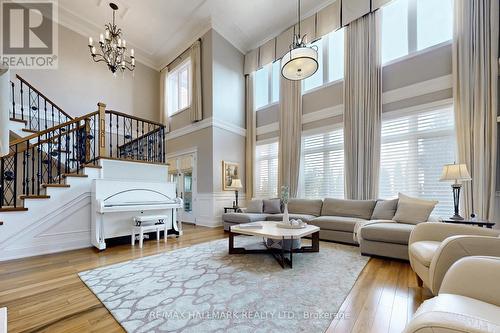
x=182, y=172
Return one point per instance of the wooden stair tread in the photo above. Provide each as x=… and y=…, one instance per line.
x=24, y=197
x=55, y=185
x=25, y=122
x=66, y=175
x=13, y=209
x=92, y=166
x=29, y=130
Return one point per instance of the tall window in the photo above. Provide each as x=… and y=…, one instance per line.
x=267, y=85
x=323, y=165
x=330, y=59
x=336, y=55
x=414, y=149
x=316, y=79
x=266, y=170
x=412, y=25
x=179, y=88
x=394, y=30
x=434, y=22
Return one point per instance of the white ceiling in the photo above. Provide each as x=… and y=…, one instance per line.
x=161, y=29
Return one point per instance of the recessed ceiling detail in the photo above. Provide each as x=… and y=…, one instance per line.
x=159, y=30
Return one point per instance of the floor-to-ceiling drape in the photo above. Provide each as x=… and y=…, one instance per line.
x=196, y=97
x=362, y=107
x=290, y=134
x=250, y=135
x=163, y=99
x=475, y=75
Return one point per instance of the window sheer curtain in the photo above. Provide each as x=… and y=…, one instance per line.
x=250, y=135
x=475, y=75
x=290, y=134
x=362, y=107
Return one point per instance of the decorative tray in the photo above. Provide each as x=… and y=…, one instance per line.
x=289, y=226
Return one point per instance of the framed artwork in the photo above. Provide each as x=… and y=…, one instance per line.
x=230, y=171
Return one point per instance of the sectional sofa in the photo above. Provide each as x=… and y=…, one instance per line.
x=379, y=227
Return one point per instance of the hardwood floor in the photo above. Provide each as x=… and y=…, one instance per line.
x=44, y=294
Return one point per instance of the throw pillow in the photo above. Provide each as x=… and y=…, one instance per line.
x=413, y=210
x=385, y=209
x=255, y=206
x=272, y=206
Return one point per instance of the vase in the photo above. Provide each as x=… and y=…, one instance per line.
x=285, y=214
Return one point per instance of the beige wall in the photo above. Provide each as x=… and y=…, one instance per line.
x=228, y=147
x=79, y=83
x=228, y=82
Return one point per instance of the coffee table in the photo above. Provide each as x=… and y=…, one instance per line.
x=271, y=230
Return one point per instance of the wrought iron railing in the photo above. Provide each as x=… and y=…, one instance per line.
x=134, y=138
x=33, y=107
x=44, y=158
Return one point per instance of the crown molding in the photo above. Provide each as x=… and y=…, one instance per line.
x=206, y=123
x=184, y=46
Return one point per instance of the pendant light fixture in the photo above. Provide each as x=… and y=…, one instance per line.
x=112, y=48
x=301, y=61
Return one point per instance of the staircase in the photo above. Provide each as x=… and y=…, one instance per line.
x=54, y=158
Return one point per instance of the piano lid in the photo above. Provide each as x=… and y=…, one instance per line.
x=137, y=196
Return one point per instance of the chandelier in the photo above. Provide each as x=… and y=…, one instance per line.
x=301, y=61
x=112, y=48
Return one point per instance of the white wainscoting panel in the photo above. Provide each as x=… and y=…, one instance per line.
x=210, y=207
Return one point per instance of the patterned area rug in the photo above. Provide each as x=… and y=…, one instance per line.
x=204, y=289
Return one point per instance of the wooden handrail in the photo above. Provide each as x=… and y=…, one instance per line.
x=134, y=117
x=35, y=135
x=36, y=144
x=140, y=138
x=45, y=97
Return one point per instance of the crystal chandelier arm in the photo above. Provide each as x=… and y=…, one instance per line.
x=112, y=47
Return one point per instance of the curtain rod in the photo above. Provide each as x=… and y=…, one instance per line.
x=170, y=63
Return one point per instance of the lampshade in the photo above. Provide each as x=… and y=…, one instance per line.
x=236, y=183
x=299, y=63
x=455, y=172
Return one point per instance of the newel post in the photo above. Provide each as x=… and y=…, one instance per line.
x=102, y=129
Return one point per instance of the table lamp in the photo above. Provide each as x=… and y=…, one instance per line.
x=457, y=173
x=236, y=184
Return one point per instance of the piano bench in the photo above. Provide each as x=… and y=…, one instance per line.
x=143, y=224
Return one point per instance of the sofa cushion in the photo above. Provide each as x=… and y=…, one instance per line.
x=255, y=206
x=272, y=206
x=305, y=206
x=413, y=210
x=243, y=217
x=337, y=223
x=424, y=251
x=397, y=233
x=279, y=217
x=385, y=209
x=362, y=209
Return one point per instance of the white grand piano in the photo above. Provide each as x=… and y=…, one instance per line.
x=116, y=202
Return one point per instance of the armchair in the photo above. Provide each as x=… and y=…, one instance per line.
x=468, y=301
x=434, y=247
